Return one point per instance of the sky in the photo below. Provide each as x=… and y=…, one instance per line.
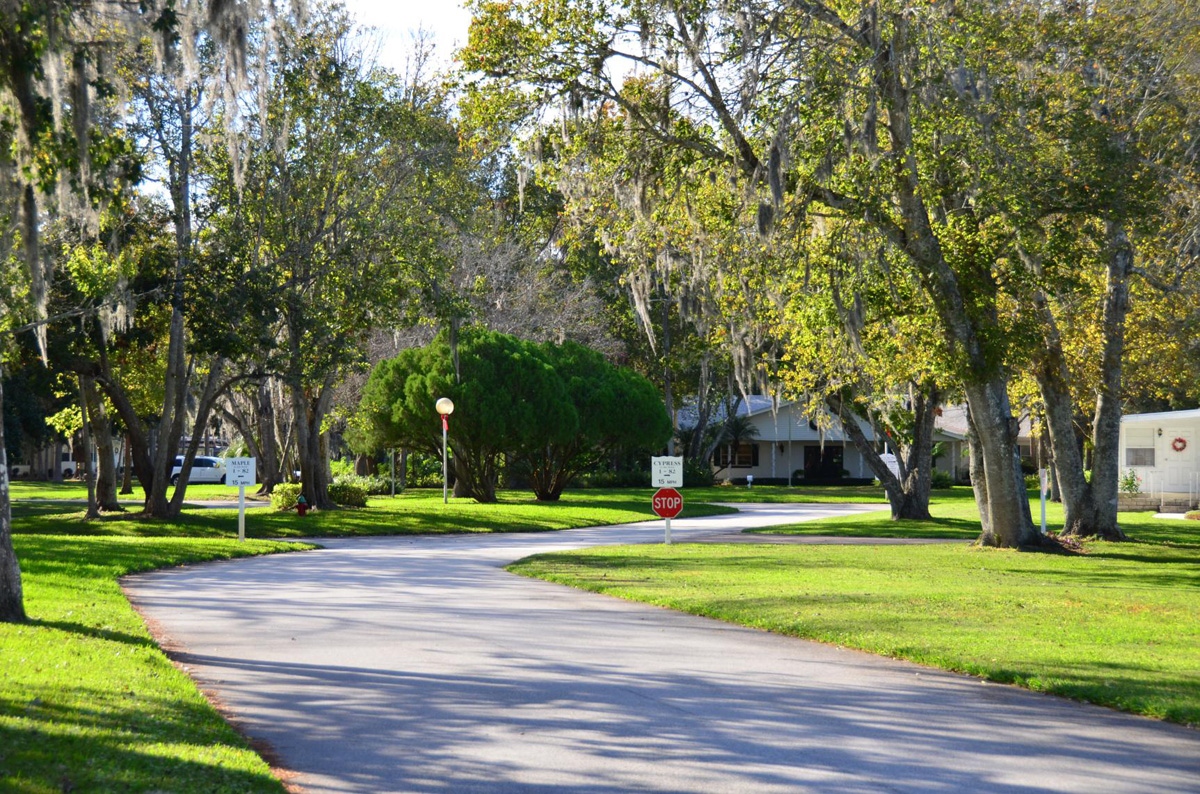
x=395, y=19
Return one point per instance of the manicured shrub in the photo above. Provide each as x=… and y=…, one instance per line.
x=940, y=479
x=371, y=485
x=347, y=494
x=626, y=478
x=284, y=496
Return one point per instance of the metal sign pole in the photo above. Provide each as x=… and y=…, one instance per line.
x=445, y=469
x=242, y=513
x=1042, y=489
x=667, y=534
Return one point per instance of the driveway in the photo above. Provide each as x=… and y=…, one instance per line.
x=416, y=664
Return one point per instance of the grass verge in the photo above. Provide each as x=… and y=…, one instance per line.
x=952, y=515
x=73, y=489
x=88, y=702
x=415, y=512
x=811, y=494
x=800, y=494
x=1118, y=626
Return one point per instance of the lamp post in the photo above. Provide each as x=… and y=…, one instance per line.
x=445, y=407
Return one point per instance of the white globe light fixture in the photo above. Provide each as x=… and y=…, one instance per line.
x=445, y=407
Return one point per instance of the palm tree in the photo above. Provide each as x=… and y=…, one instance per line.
x=736, y=430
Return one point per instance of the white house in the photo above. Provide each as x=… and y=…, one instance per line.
x=788, y=441
x=1161, y=449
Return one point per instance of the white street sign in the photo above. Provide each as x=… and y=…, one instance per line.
x=666, y=472
x=240, y=471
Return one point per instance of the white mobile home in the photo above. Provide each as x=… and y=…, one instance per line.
x=1161, y=448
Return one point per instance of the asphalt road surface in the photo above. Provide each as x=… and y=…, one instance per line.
x=416, y=664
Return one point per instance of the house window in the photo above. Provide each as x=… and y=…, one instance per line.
x=743, y=456
x=1139, y=456
x=1139, y=447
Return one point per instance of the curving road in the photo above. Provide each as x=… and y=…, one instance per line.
x=416, y=664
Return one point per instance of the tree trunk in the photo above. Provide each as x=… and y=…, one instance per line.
x=127, y=469
x=207, y=399
x=1090, y=508
x=1106, y=424
x=309, y=411
x=12, y=601
x=996, y=468
x=56, y=464
x=139, y=456
x=268, y=438
x=170, y=427
x=85, y=434
x=475, y=476
x=908, y=495
x=965, y=317
x=106, y=479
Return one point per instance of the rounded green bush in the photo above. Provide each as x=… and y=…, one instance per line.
x=284, y=495
x=348, y=495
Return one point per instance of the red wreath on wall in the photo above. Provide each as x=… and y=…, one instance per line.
x=1179, y=444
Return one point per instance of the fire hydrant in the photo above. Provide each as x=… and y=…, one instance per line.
x=301, y=506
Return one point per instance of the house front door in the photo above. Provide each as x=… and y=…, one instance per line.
x=1178, y=464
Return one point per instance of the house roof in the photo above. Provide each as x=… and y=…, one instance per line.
x=761, y=405
x=953, y=422
x=1162, y=416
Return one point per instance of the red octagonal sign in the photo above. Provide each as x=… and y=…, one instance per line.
x=667, y=503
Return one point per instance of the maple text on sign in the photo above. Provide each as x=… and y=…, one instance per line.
x=667, y=503
x=240, y=472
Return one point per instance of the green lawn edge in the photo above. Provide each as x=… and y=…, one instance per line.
x=413, y=513
x=88, y=699
x=1118, y=626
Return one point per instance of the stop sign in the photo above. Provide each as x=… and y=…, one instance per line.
x=667, y=503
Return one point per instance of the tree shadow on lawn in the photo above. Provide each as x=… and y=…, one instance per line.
x=93, y=631
x=402, y=516
x=871, y=525
x=113, y=743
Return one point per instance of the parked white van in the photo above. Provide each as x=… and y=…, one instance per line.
x=204, y=469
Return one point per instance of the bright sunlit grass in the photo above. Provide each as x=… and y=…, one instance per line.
x=88, y=702
x=415, y=512
x=1119, y=625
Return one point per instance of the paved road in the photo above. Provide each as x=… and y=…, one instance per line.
x=415, y=664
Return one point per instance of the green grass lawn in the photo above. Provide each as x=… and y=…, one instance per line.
x=31, y=489
x=417, y=511
x=953, y=516
x=34, y=489
x=88, y=702
x=802, y=494
x=1118, y=625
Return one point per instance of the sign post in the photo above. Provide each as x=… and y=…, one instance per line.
x=666, y=474
x=667, y=503
x=1044, y=482
x=241, y=472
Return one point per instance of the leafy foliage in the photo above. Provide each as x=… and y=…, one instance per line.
x=554, y=407
x=347, y=494
x=284, y=496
